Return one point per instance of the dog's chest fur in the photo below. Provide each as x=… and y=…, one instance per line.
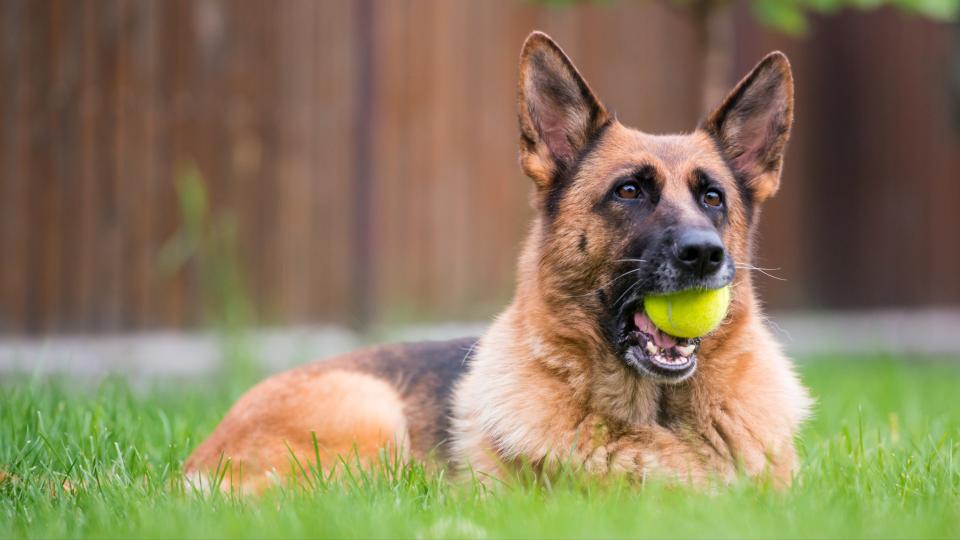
x=518, y=404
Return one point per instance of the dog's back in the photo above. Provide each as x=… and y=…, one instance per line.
x=353, y=406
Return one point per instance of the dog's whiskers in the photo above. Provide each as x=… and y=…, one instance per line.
x=469, y=352
x=611, y=282
x=626, y=292
x=605, y=285
x=764, y=271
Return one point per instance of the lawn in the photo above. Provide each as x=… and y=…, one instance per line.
x=881, y=458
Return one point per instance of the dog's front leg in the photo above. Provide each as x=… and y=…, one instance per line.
x=649, y=451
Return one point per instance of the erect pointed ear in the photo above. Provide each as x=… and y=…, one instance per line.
x=559, y=114
x=752, y=125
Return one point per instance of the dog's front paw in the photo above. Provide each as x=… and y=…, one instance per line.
x=633, y=459
x=654, y=452
x=598, y=462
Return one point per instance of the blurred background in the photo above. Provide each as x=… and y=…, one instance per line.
x=176, y=165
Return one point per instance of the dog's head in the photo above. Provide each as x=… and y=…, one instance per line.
x=624, y=214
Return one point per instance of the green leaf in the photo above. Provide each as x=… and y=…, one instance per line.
x=946, y=10
x=786, y=16
x=192, y=193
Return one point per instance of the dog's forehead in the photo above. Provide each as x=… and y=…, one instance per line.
x=674, y=155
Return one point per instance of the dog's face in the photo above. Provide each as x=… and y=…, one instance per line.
x=625, y=214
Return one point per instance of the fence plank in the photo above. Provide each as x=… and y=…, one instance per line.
x=16, y=28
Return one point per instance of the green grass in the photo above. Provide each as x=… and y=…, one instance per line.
x=880, y=459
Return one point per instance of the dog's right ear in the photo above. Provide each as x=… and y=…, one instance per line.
x=559, y=114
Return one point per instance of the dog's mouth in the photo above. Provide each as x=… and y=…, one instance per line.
x=656, y=354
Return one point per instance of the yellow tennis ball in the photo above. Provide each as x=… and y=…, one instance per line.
x=688, y=314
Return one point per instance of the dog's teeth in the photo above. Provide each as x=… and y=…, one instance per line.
x=651, y=348
x=686, y=350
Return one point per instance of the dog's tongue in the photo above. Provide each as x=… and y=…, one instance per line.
x=645, y=325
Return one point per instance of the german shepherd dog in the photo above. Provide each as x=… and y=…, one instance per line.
x=573, y=372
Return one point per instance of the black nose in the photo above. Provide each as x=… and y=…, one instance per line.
x=699, y=251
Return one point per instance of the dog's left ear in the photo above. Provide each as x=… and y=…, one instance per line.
x=559, y=114
x=752, y=125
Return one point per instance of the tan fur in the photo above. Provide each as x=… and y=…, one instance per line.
x=543, y=385
x=353, y=415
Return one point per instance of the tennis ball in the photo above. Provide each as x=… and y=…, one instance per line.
x=688, y=314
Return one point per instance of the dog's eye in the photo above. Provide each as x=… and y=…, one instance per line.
x=629, y=190
x=712, y=198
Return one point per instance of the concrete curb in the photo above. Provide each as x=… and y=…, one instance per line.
x=928, y=333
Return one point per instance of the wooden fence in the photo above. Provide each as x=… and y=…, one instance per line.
x=367, y=152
